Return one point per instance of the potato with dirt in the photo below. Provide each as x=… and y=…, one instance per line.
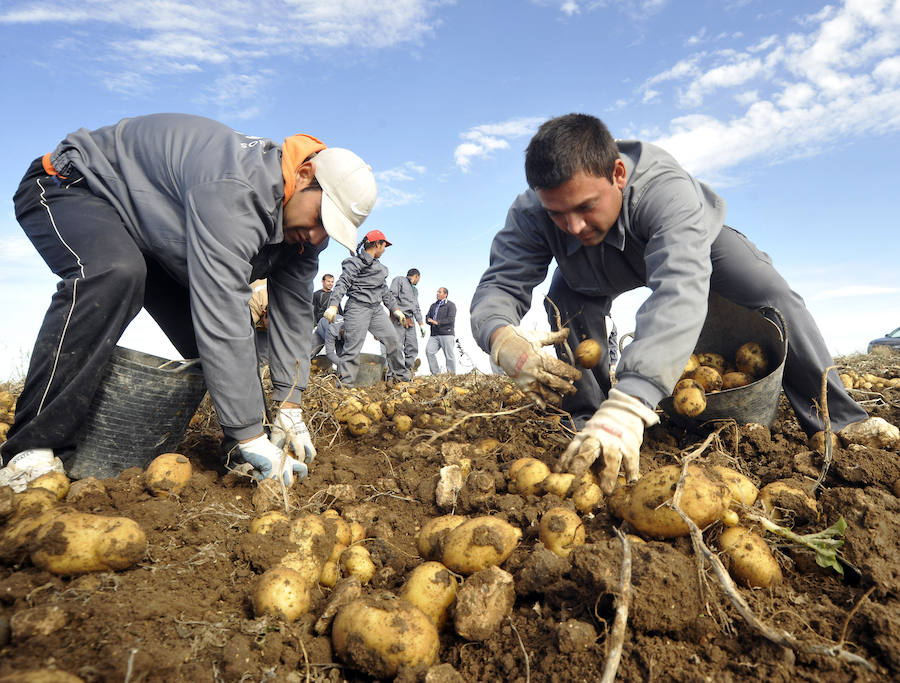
x=752, y=360
x=432, y=588
x=282, y=593
x=167, y=474
x=430, y=541
x=689, y=398
x=588, y=353
x=479, y=543
x=750, y=559
x=77, y=543
x=561, y=530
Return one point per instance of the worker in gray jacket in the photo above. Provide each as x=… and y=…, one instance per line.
x=617, y=216
x=404, y=288
x=364, y=281
x=178, y=214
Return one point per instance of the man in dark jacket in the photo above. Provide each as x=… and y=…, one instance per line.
x=404, y=288
x=442, y=319
x=178, y=214
x=321, y=296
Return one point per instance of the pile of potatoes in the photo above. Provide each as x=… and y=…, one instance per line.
x=7, y=413
x=707, y=373
x=867, y=381
x=531, y=477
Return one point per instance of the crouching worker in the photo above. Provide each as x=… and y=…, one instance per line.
x=178, y=214
x=616, y=216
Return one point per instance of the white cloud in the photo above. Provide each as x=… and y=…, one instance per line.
x=482, y=140
x=389, y=194
x=855, y=291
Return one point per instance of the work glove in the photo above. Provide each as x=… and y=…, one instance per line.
x=543, y=378
x=614, y=433
x=290, y=428
x=330, y=313
x=422, y=330
x=400, y=315
x=266, y=458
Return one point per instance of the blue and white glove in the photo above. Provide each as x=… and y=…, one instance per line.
x=266, y=458
x=290, y=428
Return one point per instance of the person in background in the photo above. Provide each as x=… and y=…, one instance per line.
x=442, y=319
x=404, y=288
x=330, y=336
x=321, y=296
x=178, y=214
x=617, y=215
x=259, y=314
x=364, y=281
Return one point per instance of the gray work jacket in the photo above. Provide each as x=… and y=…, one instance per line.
x=661, y=240
x=363, y=280
x=407, y=296
x=206, y=202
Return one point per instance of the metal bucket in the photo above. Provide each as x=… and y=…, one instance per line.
x=142, y=409
x=727, y=326
x=371, y=370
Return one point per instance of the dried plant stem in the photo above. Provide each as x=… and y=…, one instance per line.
x=469, y=416
x=524, y=651
x=559, y=326
x=826, y=421
x=623, y=602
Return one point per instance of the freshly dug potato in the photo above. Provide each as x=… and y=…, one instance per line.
x=587, y=497
x=528, y=478
x=692, y=364
x=358, y=424
x=733, y=380
x=357, y=532
x=486, y=445
x=750, y=560
x=432, y=588
x=690, y=399
x=41, y=676
x=374, y=411
x=751, y=358
x=167, y=475
x=381, y=636
x=347, y=409
x=430, y=541
x=422, y=420
x=817, y=442
x=55, y=482
x=343, y=533
x=356, y=561
x=330, y=574
x=643, y=503
x=743, y=491
x=479, y=543
x=588, y=353
x=731, y=518
x=282, y=593
x=402, y=423
x=713, y=360
x=558, y=483
x=519, y=464
x=76, y=543
x=561, y=530
x=264, y=523
x=17, y=537
x=708, y=378
x=786, y=496
x=309, y=568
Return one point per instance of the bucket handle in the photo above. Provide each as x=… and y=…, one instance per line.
x=185, y=364
x=783, y=329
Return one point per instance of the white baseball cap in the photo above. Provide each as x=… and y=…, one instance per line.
x=348, y=193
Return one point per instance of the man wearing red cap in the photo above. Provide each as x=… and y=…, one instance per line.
x=364, y=281
x=178, y=214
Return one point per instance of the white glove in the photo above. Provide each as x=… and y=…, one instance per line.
x=614, y=432
x=543, y=378
x=290, y=428
x=266, y=458
x=330, y=313
x=400, y=315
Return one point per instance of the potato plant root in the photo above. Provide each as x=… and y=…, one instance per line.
x=185, y=613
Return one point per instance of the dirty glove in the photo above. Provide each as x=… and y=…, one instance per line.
x=289, y=427
x=541, y=376
x=422, y=330
x=400, y=315
x=330, y=313
x=266, y=458
x=614, y=434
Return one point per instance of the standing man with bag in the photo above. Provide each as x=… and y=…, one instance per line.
x=404, y=288
x=442, y=319
x=178, y=214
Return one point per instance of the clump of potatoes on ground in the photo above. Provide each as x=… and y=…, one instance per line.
x=7, y=412
x=867, y=381
x=707, y=372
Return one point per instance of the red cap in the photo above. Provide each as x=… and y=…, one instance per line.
x=375, y=236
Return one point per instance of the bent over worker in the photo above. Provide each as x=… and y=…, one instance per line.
x=178, y=214
x=616, y=216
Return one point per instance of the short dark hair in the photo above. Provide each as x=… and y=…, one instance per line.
x=327, y=275
x=412, y=271
x=444, y=290
x=567, y=145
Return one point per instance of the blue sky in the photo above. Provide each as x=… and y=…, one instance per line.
x=791, y=111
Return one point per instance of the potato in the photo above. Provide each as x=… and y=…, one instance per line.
x=309, y=568
x=76, y=543
x=374, y=411
x=357, y=532
x=588, y=353
x=167, y=475
x=41, y=676
x=587, y=497
x=751, y=359
x=430, y=540
x=689, y=401
x=347, y=409
x=485, y=445
x=422, y=420
x=817, y=442
x=731, y=518
x=708, y=378
x=687, y=383
x=19, y=531
x=282, y=593
x=479, y=543
x=330, y=574
x=712, y=360
x=342, y=532
x=55, y=482
x=692, y=364
x=779, y=497
x=733, y=380
x=381, y=636
x=519, y=464
x=643, y=503
x=356, y=561
x=750, y=560
x=266, y=521
x=558, y=483
x=314, y=545
x=561, y=530
x=358, y=424
x=743, y=491
x=402, y=423
x=529, y=477
x=432, y=588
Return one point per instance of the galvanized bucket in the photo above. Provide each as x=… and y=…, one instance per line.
x=371, y=369
x=727, y=326
x=142, y=409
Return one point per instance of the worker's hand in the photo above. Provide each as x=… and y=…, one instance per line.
x=613, y=434
x=422, y=330
x=270, y=462
x=330, y=313
x=408, y=322
x=290, y=428
x=401, y=316
x=542, y=377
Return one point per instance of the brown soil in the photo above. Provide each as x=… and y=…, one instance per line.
x=184, y=612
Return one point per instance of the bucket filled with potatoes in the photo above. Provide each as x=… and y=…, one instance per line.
x=736, y=369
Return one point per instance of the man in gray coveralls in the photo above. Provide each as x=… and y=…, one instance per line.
x=617, y=215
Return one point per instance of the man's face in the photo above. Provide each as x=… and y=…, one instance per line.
x=414, y=279
x=586, y=206
x=301, y=221
x=441, y=295
x=327, y=283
